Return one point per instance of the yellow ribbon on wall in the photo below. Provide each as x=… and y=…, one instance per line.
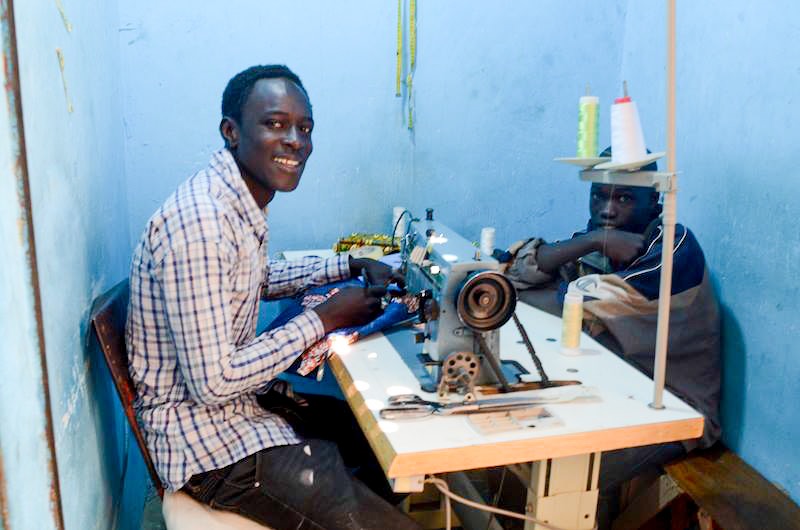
x=399, y=47
x=412, y=44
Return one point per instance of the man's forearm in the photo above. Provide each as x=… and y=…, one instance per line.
x=551, y=256
x=288, y=277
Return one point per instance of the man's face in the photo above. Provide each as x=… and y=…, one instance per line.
x=273, y=140
x=629, y=208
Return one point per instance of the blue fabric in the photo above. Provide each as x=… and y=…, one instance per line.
x=393, y=313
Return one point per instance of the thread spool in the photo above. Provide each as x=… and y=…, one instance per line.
x=588, y=111
x=487, y=241
x=572, y=320
x=627, y=138
x=397, y=211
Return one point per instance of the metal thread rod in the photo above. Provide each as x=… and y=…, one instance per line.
x=494, y=362
x=668, y=242
x=529, y=345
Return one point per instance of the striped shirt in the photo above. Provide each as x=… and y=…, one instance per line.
x=196, y=279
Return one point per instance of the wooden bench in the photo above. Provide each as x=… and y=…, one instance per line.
x=728, y=494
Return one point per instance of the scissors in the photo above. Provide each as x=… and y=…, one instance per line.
x=410, y=406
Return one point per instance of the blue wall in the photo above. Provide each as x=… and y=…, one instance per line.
x=25, y=459
x=74, y=135
x=490, y=111
x=737, y=118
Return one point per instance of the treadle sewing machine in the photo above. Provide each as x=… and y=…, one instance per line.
x=464, y=299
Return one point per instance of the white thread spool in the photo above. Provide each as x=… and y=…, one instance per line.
x=572, y=321
x=627, y=138
x=397, y=211
x=487, y=241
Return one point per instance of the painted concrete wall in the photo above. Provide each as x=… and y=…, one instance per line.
x=737, y=121
x=74, y=132
x=490, y=115
x=25, y=460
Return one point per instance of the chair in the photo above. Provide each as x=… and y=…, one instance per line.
x=180, y=511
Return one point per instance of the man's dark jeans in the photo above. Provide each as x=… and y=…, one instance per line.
x=303, y=487
x=308, y=486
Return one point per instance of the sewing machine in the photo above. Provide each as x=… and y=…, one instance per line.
x=463, y=301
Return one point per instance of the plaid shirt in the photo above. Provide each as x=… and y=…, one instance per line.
x=196, y=280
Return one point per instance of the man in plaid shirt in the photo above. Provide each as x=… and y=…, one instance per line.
x=197, y=276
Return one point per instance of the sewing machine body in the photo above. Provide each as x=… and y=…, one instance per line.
x=457, y=287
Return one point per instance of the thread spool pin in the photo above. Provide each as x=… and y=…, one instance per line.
x=487, y=241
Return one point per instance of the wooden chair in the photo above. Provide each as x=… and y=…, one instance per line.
x=180, y=511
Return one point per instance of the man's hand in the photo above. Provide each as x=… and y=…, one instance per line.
x=378, y=274
x=352, y=306
x=621, y=247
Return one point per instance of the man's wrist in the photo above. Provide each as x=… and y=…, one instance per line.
x=595, y=240
x=328, y=320
x=356, y=264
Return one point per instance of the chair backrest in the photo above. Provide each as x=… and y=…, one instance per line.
x=108, y=316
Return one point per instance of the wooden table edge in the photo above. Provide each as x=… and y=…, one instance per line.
x=501, y=453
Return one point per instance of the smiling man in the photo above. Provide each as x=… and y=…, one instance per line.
x=197, y=276
x=618, y=258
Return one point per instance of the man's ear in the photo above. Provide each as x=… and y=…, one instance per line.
x=229, y=130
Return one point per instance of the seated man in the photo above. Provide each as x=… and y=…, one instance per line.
x=197, y=276
x=621, y=250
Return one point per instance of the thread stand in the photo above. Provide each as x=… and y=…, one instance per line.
x=661, y=181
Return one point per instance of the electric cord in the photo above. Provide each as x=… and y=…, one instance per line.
x=442, y=486
x=399, y=219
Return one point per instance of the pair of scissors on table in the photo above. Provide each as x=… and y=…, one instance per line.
x=409, y=406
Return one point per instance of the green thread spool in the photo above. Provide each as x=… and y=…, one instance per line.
x=588, y=110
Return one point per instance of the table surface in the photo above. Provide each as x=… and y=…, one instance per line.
x=618, y=415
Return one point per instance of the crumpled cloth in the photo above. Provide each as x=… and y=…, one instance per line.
x=399, y=309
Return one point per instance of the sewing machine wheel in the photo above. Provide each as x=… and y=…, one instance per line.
x=486, y=301
x=460, y=371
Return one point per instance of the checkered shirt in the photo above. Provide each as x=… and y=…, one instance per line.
x=196, y=280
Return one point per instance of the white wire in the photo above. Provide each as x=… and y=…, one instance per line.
x=445, y=490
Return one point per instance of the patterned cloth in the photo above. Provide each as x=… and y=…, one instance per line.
x=399, y=309
x=196, y=278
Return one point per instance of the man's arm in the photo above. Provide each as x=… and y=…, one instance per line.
x=286, y=278
x=620, y=246
x=197, y=294
x=551, y=256
x=289, y=277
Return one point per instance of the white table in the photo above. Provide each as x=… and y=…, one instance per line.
x=563, y=478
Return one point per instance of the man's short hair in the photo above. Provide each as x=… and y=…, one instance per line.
x=239, y=87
